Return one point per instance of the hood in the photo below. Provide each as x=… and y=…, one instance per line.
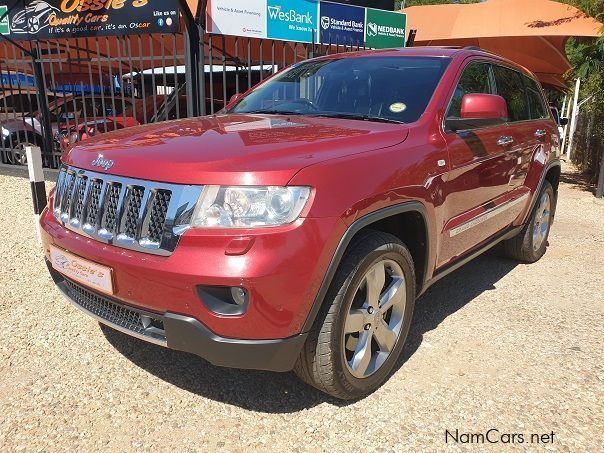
x=239, y=149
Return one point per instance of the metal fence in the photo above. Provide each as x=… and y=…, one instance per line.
x=92, y=86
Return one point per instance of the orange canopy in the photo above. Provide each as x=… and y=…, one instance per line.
x=532, y=33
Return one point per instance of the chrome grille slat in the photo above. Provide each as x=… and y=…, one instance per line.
x=93, y=203
x=59, y=191
x=67, y=196
x=133, y=204
x=139, y=215
x=157, y=217
x=77, y=206
x=110, y=210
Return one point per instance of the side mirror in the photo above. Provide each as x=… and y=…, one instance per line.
x=563, y=121
x=480, y=110
x=235, y=98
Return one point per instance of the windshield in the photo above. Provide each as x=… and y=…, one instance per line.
x=390, y=89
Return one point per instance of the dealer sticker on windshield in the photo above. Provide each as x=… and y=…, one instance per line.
x=82, y=271
x=398, y=107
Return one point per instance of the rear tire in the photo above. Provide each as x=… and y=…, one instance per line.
x=361, y=330
x=531, y=243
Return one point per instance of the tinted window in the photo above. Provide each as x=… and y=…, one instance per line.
x=390, y=88
x=535, y=100
x=475, y=79
x=19, y=103
x=511, y=88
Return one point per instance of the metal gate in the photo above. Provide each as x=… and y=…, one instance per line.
x=91, y=86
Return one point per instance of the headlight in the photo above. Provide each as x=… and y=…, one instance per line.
x=246, y=207
x=5, y=132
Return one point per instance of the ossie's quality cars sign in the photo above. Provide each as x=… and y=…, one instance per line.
x=44, y=19
x=307, y=21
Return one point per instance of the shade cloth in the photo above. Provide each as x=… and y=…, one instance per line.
x=532, y=33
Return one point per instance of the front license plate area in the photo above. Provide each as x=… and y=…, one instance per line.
x=82, y=271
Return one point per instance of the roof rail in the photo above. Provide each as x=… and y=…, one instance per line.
x=480, y=49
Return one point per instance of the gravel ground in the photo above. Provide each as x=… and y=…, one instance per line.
x=496, y=345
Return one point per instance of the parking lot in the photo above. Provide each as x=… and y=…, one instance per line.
x=496, y=345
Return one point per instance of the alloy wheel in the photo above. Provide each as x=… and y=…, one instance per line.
x=542, y=221
x=375, y=319
x=19, y=155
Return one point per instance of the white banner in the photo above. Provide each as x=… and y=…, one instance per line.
x=237, y=18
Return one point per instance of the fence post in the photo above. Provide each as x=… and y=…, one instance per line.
x=193, y=42
x=566, y=127
x=600, y=190
x=42, y=101
x=574, y=118
x=38, y=187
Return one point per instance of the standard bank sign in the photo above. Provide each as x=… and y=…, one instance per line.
x=342, y=24
x=307, y=21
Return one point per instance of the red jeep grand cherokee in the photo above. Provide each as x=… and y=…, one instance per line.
x=296, y=230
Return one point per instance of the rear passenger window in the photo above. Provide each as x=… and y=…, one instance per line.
x=535, y=99
x=475, y=79
x=511, y=87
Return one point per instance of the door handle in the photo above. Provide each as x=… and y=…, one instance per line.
x=505, y=140
x=540, y=133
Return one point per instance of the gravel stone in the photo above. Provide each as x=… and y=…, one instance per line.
x=495, y=345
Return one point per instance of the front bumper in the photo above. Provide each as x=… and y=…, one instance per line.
x=282, y=271
x=182, y=333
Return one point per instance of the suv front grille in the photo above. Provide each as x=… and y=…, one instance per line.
x=141, y=324
x=110, y=215
x=161, y=201
x=134, y=214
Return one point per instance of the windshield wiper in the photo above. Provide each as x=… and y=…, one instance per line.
x=273, y=112
x=352, y=116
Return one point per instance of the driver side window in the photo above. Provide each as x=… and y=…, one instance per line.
x=476, y=79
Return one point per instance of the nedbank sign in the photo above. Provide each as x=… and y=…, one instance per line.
x=384, y=29
x=307, y=21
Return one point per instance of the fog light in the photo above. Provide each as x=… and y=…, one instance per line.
x=224, y=300
x=239, y=295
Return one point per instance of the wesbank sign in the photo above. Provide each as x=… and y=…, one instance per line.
x=307, y=21
x=276, y=13
x=292, y=20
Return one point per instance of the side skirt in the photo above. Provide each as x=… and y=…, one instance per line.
x=453, y=267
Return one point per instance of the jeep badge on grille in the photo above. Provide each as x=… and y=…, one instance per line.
x=102, y=162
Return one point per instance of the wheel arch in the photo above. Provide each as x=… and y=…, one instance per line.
x=408, y=221
x=553, y=176
x=551, y=173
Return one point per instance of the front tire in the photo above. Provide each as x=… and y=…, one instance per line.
x=531, y=243
x=360, y=333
